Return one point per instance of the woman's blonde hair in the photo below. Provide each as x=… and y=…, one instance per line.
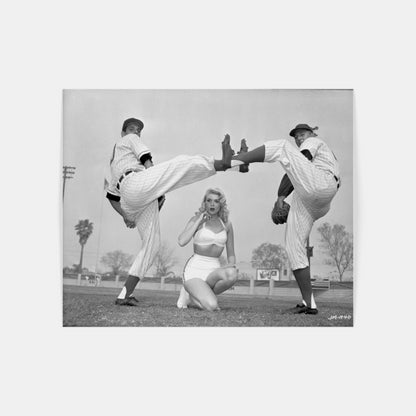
x=223, y=213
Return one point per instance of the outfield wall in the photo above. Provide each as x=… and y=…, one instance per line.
x=345, y=295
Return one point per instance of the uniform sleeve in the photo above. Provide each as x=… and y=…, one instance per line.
x=112, y=197
x=138, y=147
x=112, y=192
x=312, y=144
x=110, y=186
x=145, y=157
x=307, y=154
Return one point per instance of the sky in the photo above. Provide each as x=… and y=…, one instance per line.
x=194, y=122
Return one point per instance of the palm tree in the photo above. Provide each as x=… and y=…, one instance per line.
x=84, y=230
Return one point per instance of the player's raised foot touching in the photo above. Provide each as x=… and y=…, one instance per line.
x=243, y=149
x=183, y=300
x=227, y=152
x=130, y=301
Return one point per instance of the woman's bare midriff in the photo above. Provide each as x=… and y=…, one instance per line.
x=209, y=251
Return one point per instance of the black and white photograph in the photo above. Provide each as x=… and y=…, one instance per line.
x=207, y=207
x=174, y=199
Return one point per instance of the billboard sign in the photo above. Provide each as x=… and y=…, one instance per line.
x=267, y=274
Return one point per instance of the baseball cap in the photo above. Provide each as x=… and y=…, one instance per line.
x=132, y=120
x=302, y=127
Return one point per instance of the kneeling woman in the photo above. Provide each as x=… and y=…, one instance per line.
x=204, y=278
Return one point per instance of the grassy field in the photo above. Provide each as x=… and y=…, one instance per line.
x=91, y=307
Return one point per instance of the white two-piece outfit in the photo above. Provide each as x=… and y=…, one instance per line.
x=315, y=184
x=199, y=267
x=138, y=190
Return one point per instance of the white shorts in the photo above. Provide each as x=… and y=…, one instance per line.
x=199, y=267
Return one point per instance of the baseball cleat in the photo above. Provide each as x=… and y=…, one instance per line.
x=130, y=301
x=243, y=149
x=295, y=309
x=305, y=309
x=227, y=152
x=311, y=311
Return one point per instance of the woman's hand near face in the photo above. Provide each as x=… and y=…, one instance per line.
x=203, y=217
x=186, y=236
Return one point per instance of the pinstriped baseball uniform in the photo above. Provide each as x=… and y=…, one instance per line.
x=126, y=155
x=314, y=185
x=140, y=190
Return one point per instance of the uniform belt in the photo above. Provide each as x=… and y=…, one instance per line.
x=127, y=172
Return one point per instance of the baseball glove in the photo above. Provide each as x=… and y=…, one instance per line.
x=279, y=215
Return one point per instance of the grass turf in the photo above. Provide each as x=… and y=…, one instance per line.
x=94, y=307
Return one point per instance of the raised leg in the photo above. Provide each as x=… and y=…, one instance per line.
x=142, y=188
x=253, y=156
x=306, y=178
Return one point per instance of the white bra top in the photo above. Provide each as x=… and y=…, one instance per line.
x=206, y=237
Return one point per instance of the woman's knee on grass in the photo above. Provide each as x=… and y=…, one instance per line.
x=209, y=304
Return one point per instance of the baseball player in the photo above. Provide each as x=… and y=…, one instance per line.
x=312, y=173
x=137, y=187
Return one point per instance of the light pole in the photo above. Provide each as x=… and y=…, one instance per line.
x=68, y=171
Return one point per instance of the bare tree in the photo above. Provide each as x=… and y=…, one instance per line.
x=84, y=229
x=164, y=260
x=117, y=261
x=338, y=244
x=269, y=256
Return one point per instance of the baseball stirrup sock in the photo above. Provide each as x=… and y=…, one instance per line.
x=236, y=163
x=130, y=284
x=122, y=294
x=313, y=304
